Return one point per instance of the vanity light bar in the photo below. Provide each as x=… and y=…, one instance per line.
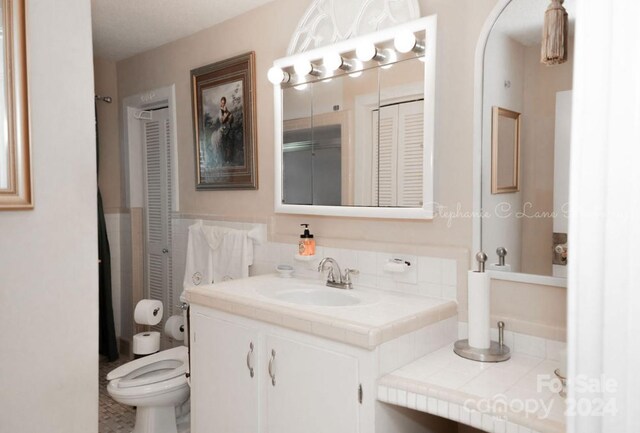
x=385, y=52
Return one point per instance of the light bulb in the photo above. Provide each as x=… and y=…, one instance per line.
x=332, y=61
x=366, y=51
x=302, y=86
x=303, y=67
x=277, y=75
x=404, y=42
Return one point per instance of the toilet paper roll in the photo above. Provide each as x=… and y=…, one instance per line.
x=148, y=312
x=146, y=343
x=174, y=327
x=479, y=297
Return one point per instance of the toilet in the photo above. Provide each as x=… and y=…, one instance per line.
x=157, y=386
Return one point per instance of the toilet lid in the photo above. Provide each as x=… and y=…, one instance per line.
x=154, y=372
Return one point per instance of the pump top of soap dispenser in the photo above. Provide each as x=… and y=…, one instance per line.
x=306, y=234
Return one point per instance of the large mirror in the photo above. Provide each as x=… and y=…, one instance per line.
x=15, y=170
x=525, y=151
x=358, y=140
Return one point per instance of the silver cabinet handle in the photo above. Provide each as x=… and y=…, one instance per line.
x=272, y=372
x=250, y=359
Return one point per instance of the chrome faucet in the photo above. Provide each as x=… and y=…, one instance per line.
x=343, y=281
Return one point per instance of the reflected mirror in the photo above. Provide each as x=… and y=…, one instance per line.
x=15, y=175
x=356, y=141
x=525, y=213
x=357, y=136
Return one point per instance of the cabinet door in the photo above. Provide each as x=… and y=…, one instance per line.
x=315, y=391
x=224, y=395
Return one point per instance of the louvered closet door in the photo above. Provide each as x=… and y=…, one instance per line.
x=397, y=169
x=157, y=138
x=410, y=153
x=384, y=159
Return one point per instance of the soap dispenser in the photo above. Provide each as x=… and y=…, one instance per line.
x=306, y=245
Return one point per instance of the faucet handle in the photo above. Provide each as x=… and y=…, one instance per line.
x=330, y=276
x=347, y=274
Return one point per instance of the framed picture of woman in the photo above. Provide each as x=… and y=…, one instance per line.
x=223, y=96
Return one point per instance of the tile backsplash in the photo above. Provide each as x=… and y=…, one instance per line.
x=427, y=276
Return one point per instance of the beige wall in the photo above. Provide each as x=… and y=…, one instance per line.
x=110, y=176
x=49, y=255
x=267, y=31
x=459, y=25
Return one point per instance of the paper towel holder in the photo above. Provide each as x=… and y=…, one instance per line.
x=497, y=351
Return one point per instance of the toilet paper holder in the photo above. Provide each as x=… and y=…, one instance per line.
x=497, y=351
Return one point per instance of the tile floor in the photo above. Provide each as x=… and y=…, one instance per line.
x=113, y=417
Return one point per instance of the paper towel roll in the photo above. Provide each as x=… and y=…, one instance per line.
x=145, y=343
x=148, y=312
x=479, y=297
x=174, y=327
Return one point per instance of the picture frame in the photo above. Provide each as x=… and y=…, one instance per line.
x=505, y=151
x=224, y=118
x=16, y=177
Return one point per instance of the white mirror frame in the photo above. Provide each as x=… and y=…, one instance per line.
x=477, y=158
x=429, y=25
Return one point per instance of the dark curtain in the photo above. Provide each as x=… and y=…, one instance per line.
x=107, y=331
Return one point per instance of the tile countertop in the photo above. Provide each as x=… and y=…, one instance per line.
x=515, y=396
x=379, y=316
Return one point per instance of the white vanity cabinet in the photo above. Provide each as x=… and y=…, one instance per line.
x=295, y=384
x=307, y=383
x=224, y=392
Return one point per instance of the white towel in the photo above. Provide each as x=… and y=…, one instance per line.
x=216, y=254
x=214, y=235
x=234, y=256
x=198, y=267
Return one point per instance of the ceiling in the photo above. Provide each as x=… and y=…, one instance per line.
x=123, y=28
x=522, y=20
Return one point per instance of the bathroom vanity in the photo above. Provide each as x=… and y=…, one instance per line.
x=301, y=356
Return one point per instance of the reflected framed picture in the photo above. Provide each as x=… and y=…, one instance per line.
x=505, y=151
x=224, y=113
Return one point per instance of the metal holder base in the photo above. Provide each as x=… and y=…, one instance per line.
x=495, y=353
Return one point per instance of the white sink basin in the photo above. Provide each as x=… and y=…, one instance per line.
x=318, y=297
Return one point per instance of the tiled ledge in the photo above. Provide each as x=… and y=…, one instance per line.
x=497, y=398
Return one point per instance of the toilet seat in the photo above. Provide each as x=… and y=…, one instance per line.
x=165, y=366
x=122, y=394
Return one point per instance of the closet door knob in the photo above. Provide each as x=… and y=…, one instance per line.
x=165, y=251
